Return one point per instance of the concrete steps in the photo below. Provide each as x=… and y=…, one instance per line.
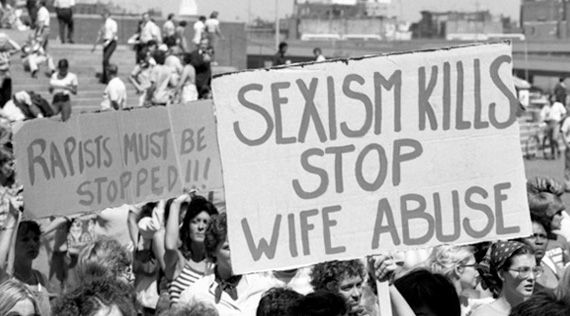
x=86, y=65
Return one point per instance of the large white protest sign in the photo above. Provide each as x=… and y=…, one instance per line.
x=352, y=157
x=99, y=160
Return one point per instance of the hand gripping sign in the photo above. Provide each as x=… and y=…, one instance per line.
x=99, y=160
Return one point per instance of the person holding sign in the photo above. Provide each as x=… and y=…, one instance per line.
x=231, y=294
x=509, y=270
x=186, y=263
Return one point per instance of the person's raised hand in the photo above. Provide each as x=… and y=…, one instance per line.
x=384, y=266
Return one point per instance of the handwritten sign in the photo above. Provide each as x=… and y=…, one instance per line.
x=352, y=157
x=101, y=160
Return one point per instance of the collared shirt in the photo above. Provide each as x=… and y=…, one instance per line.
x=109, y=30
x=64, y=3
x=150, y=32
x=249, y=291
x=43, y=17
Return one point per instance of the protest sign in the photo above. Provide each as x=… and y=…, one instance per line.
x=353, y=157
x=99, y=160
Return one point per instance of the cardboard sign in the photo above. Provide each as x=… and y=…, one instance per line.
x=99, y=160
x=353, y=157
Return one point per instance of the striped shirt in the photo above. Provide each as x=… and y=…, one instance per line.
x=185, y=279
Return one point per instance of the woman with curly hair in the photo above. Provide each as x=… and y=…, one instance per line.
x=185, y=256
x=101, y=295
x=229, y=293
x=107, y=253
x=17, y=299
x=343, y=277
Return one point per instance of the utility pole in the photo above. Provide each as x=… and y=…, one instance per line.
x=276, y=24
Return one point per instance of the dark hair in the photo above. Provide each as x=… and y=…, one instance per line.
x=540, y=204
x=540, y=304
x=26, y=226
x=197, y=205
x=216, y=234
x=146, y=210
x=94, y=294
x=159, y=56
x=202, y=18
x=317, y=49
x=63, y=63
x=187, y=58
x=183, y=23
x=422, y=288
x=329, y=275
x=113, y=69
x=278, y=301
x=282, y=45
x=321, y=303
x=170, y=16
x=526, y=250
x=151, y=43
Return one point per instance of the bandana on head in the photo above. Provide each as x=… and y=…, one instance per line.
x=501, y=251
x=497, y=255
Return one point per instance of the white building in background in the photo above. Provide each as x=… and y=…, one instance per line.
x=188, y=8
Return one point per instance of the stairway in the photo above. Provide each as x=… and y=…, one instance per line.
x=85, y=65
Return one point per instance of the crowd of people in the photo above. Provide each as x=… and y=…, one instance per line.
x=168, y=68
x=176, y=261
x=174, y=256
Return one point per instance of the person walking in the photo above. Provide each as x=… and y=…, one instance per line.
x=64, y=12
x=213, y=29
x=8, y=47
x=108, y=38
x=32, y=6
x=42, y=24
x=199, y=28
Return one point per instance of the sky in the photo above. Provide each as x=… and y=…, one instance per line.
x=247, y=10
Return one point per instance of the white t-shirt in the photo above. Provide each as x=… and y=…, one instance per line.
x=12, y=112
x=554, y=112
x=199, y=27
x=109, y=30
x=150, y=31
x=115, y=91
x=59, y=84
x=168, y=28
x=43, y=17
x=212, y=25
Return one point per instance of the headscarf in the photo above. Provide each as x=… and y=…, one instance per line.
x=494, y=261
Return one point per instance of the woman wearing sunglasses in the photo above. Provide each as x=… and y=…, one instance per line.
x=509, y=270
x=17, y=300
